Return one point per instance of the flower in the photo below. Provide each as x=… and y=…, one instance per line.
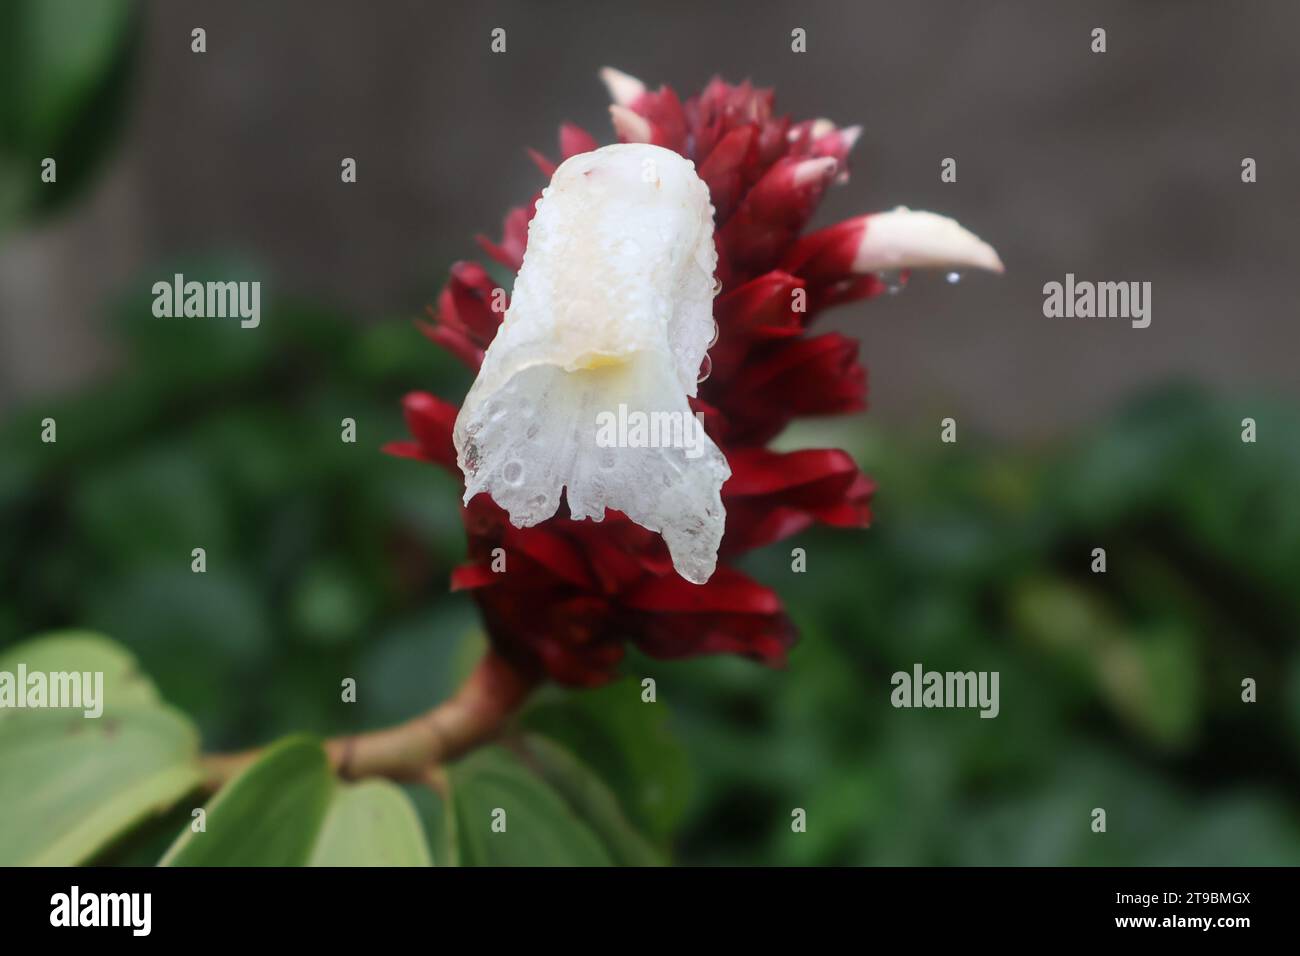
x=575, y=592
x=584, y=394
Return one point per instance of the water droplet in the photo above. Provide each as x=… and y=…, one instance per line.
x=717, y=286
x=953, y=278
x=513, y=473
x=496, y=411
x=706, y=369
x=717, y=333
x=538, y=501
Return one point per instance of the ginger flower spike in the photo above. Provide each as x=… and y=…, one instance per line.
x=612, y=311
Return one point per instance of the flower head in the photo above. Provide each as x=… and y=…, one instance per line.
x=574, y=592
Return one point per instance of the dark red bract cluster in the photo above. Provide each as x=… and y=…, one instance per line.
x=575, y=592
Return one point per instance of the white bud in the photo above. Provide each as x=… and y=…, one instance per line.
x=623, y=89
x=906, y=239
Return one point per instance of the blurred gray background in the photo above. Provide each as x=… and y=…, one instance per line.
x=1122, y=166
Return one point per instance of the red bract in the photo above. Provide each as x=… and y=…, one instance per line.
x=573, y=593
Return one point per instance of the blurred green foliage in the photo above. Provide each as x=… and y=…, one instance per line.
x=1119, y=690
x=65, y=73
x=323, y=558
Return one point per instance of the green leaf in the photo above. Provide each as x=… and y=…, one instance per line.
x=371, y=824
x=288, y=809
x=627, y=742
x=268, y=815
x=65, y=67
x=71, y=784
x=500, y=814
x=591, y=799
x=1146, y=672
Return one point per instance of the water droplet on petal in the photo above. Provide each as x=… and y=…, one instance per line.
x=706, y=369
x=513, y=472
x=717, y=333
x=717, y=286
x=953, y=278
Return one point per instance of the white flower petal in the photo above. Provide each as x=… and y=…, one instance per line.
x=612, y=313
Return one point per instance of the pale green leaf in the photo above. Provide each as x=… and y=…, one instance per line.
x=71, y=784
x=371, y=824
x=501, y=814
x=591, y=799
x=288, y=809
